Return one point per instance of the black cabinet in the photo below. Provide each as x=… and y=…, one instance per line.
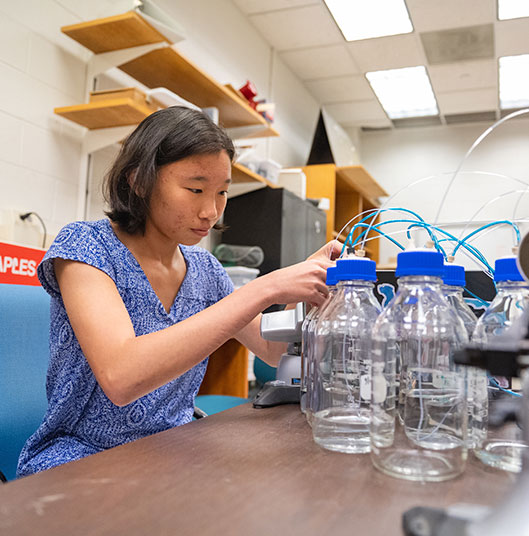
x=286, y=227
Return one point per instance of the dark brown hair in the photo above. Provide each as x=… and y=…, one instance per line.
x=162, y=138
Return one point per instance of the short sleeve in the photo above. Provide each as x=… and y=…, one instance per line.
x=77, y=241
x=225, y=283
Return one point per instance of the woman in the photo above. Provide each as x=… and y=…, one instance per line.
x=136, y=308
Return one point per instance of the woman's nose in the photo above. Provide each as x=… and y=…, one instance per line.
x=208, y=211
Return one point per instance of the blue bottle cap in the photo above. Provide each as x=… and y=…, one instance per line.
x=420, y=262
x=454, y=275
x=331, y=276
x=356, y=269
x=505, y=269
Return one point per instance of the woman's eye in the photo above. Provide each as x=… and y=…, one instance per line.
x=224, y=192
x=195, y=190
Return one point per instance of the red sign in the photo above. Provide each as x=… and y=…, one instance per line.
x=18, y=264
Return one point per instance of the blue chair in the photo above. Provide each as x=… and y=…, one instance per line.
x=209, y=404
x=24, y=355
x=263, y=371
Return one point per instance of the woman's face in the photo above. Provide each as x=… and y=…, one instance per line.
x=189, y=197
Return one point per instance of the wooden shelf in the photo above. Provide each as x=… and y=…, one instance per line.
x=165, y=67
x=350, y=190
x=105, y=114
x=114, y=33
x=240, y=173
x=357, y=179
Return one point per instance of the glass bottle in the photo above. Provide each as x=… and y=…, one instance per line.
x=453, y=286
x=305, y=352
x=340, y=421
x=418, y=404
x=512, y=297
x=310, y=343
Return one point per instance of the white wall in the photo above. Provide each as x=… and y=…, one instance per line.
x=398, y=157
x=39, y=160
x=40, y=69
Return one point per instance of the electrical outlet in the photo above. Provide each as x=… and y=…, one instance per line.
x=26, y=232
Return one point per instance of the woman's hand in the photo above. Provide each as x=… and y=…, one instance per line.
x=330, y=251
x=304, y=281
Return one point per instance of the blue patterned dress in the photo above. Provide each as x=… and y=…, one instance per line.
x=80, y=419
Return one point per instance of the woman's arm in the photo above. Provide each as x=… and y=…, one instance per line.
x=129, y=366
x=250, y=335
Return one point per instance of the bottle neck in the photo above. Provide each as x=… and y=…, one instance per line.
x=512, y=285
x=358, y=283
x=413, y=280
x=453, y=289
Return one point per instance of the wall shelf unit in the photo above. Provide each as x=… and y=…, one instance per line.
x=165, y=67
x=350, y=191
x=129, y=42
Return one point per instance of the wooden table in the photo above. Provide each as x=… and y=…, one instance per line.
x=240, y=472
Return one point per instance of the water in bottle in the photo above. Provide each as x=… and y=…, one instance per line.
x=341, y=415
x=418, y=404
x=512, y=298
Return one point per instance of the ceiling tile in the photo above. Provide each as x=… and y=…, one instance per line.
x=512, y=37
x=429, y=15
x=297, y=28
x=459, y=44
x=321, y=62
x=464, y=75
x=260, y=6
x=340, y=89
x=391, y=52
x=357, y=113
x=478, y=100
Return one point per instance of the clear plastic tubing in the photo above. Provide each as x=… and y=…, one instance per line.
x=418, y=402
x=429, y=178
x=467, y=225
x=453, y=286
x=307, y=345
x=340, y=421
x=470, y=151
x=468, y=255
x=512, y=298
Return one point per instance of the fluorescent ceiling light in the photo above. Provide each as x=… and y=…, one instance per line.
x=514, y=73
x=404, y=92
x=512, y=9
x=365, y=19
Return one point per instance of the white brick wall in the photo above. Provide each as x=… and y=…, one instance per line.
x=39, y=70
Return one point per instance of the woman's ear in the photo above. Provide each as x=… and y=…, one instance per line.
x=132, y=181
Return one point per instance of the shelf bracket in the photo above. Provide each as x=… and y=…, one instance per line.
x=103, y=137
x=99, y=63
